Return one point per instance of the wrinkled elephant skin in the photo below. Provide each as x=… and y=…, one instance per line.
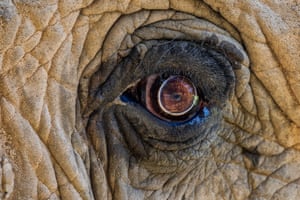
x=136, y=99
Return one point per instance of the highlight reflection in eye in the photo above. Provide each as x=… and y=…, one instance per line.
x=172, y=98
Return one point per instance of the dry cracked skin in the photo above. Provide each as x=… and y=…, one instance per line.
x=87, y=92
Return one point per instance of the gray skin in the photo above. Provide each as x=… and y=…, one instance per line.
x=66, y=132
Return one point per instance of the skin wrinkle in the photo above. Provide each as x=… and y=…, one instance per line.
x=61, y=184
x=72, y=179
x=86, y=57
x=34, y=121
x=265, y=114
x=33, y=158
x=282, y=101
x=54, y=186
x=66, y=7
x=26, y=31
x=96, y=38
x=35, y=38
x=113, y=43
x=270, y=34
x=51, y=33
x=40, y=21
x=4, y=47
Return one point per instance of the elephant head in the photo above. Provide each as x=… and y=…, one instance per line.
x=149, y=99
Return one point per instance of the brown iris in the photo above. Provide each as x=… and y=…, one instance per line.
x=176, y=95
x=171, y=98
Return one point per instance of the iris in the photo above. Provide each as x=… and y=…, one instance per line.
x=177, y=96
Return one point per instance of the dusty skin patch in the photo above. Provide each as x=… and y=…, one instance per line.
x=51, y=49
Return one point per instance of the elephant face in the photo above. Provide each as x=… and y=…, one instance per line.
x=149, y=99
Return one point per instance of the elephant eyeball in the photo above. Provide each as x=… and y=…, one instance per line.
x=171, y=98
x=177, y=96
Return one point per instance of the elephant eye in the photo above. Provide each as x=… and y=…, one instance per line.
x=167, y=94
x=172, y=98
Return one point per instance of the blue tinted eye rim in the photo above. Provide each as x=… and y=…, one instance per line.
x=195, y=120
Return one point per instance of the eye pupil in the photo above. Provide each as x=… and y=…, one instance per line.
x=177, y=95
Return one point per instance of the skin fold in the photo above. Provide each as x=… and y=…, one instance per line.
x=66, y=131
